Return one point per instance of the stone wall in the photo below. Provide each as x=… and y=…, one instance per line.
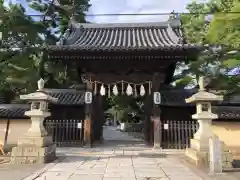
x=228, y=132
x=17, y=128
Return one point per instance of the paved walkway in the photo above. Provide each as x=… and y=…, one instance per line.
x=125, y=159
x=110, y=133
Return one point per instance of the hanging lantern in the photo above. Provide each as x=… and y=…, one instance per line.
x=102, y=90
x=115, y=90
x=129, y=90
x=142, y=90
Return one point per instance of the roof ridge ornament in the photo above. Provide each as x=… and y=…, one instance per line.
x=201, y=83
x=73, y=23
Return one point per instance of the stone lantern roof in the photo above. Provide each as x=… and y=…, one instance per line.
x=202, y=95
x=39, y=96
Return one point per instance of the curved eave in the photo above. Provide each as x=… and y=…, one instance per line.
x=75, y=48
x=185, y=52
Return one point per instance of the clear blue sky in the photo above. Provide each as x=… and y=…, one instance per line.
x=128, y=6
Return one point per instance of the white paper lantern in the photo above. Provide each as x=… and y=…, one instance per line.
x=88, y=97
x=129, y=90
x=142, y=90
x=102, y=91
x=115, y=90
x=157, y=98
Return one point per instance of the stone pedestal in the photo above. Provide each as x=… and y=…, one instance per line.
x=36, y=146
x=157, y=135
x=31, y=154
x=199, y=145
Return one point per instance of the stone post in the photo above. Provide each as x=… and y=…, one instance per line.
x=215, y=155
x=36, y=146
x=199, y=145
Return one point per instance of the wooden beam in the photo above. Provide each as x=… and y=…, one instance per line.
x=109, y=78
x=104, y=66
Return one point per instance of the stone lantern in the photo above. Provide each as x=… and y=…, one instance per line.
x=199, y=145
x=36, y=146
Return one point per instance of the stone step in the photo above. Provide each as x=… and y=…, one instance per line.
x=199, y=159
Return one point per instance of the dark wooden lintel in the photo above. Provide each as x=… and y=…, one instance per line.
x=109, y=78
x=104, y=66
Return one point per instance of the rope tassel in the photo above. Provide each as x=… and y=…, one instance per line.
x=95, y=87
x=109, y=90
x=135, y=90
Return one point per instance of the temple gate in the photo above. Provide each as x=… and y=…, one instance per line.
x=126, y=57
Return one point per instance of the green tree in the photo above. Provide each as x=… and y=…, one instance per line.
x=21, y=57
x=128, y=105
x=217, y=55
x=56, y=19
x=19, y=49
x=59, y=12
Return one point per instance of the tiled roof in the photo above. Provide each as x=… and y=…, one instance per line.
x=231, y=99
x=17, y=111
x=13, y=110
x=227, y=112
x=226, y=109
x=176, y=97
x=2, y=100
x=67, y=96
x=123, y=36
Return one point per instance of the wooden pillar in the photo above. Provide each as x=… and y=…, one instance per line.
x=95, y=112
x=88, y=120
x=101, y=118
x=147, y=120
x=98, y=115
x=156, y=114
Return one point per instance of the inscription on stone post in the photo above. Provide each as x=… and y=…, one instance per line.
x=215, y=155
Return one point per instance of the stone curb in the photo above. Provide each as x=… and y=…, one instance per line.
x=198, y=171
x=206, y=175
x=4, y=161
x=38, y=173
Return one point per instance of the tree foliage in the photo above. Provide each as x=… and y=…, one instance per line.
x=22, y=39
x=220, y=35
x=131, y=107
x=19, y=46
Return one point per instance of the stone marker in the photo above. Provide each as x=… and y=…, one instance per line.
x=36, y=146
x=215, y=155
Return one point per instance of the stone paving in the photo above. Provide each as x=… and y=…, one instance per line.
x=122, y=158
x=129, y=163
